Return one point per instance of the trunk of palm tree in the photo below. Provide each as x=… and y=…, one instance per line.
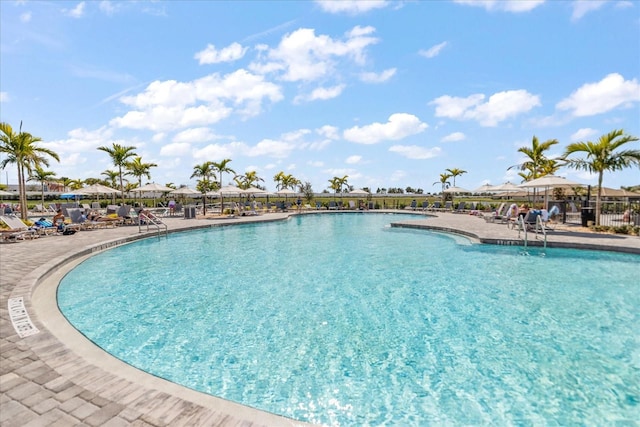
x=22, y=192
x=599, y=197
x=42, y=194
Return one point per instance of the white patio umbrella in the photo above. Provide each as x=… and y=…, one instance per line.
x=485, y=188
x=152, y=186
x=547, y=182
x=186, y=191
x=99, y=189
x=507, y=187
x=456, y=190
x=5, y=193
x=229, y=190
x=359, y=192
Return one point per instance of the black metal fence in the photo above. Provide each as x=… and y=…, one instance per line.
x=612, y=213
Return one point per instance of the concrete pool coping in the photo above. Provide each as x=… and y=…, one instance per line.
x=57, y=377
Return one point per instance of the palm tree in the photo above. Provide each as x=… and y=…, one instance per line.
x=204, y=184
x=42, y=176
x=602, y=156
x=444, y=181
x=536, y=162
x=21, y=149
x=277, y=178
x=455, y=172
x=120, y=156
x=65, y=182
x=337, y=184
x=222, y=167
x=139, y=169
x=247, y=180
x=111, y=180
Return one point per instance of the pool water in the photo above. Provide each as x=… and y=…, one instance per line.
x=341, y=320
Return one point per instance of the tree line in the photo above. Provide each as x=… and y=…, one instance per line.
x=609, y=153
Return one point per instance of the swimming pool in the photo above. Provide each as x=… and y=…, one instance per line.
x=339, y=320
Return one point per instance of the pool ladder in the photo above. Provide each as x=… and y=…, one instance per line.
x=152, y=221
x=522, y=227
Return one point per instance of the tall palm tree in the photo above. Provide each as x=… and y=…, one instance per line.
x=139, y=169
x=221, y=167
x=602, y=156
x=42, y=176
x=277, y=178
x=455, y=172
x=21, y=150
x=120, y=156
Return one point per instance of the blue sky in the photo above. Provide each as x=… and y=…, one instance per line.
x=389, y=93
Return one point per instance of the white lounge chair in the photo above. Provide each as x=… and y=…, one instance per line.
x=18, y=230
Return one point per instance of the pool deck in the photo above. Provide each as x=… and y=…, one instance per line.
x=54, y=376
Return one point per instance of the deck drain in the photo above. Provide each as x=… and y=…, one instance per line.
x=20, y=318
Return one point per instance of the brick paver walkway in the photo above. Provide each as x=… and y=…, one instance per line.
x=55, y=377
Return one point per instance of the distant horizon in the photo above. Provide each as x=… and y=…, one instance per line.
x=388, y=93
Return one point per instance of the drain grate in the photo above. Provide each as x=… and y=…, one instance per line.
x=20, y=318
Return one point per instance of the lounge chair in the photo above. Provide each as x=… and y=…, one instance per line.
x=352, y=205
x=425, y=205
x=497, y=215
x=413, y=205
x=332, y=205
x=448, y=206
x=435, y=206
x=18, y=230
x=461, y=208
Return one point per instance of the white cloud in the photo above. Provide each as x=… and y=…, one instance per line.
x=596, y=98
x=500, y=106
x=321, y=93
x=433, y=51
x=399, y=126
x=210, y=55
x=77, y=11
x=25, y=17
x=4, y=97
x=452, y=137
x=176, y=149
x=170, y=105
x=303, y=56
x=351, y=6
x=504, y=5
x=582, y=7
x=315, y=163
x=271, y=148
x=108, y=7
x=195, y=135
x=216, y=152
x=582, y=134
x=398, y=175
x=330, y=132
x=377, y=77
x=415, y=151
x=352, y=160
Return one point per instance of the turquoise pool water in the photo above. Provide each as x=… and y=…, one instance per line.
x=340, y=320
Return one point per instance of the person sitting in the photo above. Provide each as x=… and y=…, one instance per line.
x=58, y=220
x=172, y=207
x=523, y=210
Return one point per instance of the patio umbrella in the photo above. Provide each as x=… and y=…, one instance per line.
x=154, y=187
x=99, y=189
x=5, y=193
x=186, y=191
x=456, y=190
x=229, y=190
x=285, y=192
x=549, y=181
x=485, y=188
x=359, y=192
x=507, y=187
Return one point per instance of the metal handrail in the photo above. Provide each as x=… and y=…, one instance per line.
x=152, y=220
x=543, y=229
